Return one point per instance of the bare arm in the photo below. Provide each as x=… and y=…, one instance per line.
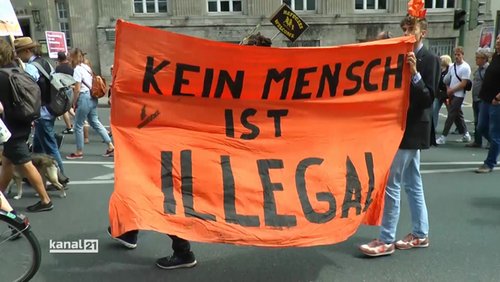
x=76, y=93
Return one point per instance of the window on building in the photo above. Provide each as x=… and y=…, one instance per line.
x=224, y=6
x=63, y=20
x=303, y=43
x=370, y=4
x=150, y=6
x=439, y=4
x=441, y=46
x=301, y=5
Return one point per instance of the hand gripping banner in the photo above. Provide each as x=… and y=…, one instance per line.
x=248, y=145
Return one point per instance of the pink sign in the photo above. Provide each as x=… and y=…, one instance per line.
x=56, y=42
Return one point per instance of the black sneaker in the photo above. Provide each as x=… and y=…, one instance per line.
x=68, y=131
x=52, y=187
x=128, y=239
x=177, y=261
x=39, y=207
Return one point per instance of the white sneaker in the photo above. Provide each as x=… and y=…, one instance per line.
x=466, y=138
x=441, y=140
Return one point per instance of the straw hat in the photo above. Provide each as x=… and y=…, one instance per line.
x=22, y=43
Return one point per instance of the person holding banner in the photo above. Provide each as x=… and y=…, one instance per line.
x=405, y=168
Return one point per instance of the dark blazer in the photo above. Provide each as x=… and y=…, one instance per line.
x=419, y=119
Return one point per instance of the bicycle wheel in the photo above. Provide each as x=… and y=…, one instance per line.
x=20, y=254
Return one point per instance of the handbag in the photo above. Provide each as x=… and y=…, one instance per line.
x=468, y=86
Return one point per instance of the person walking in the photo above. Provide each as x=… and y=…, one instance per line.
x=64, y=66
x=15, y=150
x=44, y=140
x=457, y=78
x=489, y=110
x=405, y=168
x=482, y=56
x=86, y=106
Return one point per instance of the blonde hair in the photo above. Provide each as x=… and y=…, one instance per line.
x=445, y=60
x=6, y=53
x=77, y=57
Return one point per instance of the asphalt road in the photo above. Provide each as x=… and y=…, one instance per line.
x=464, y=210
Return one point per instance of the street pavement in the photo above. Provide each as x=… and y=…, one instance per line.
x=464, y=214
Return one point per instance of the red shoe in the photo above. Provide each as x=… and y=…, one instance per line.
x=74, y=156
x=412, y=241
x=377, y=248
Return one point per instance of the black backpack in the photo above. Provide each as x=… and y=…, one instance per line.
x=61, y=93
x=26, y=95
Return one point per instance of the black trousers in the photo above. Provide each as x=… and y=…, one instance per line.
x=456, y=115
x=478, y=138
x=179, y=245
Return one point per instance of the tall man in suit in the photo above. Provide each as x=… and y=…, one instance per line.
x=405, y=168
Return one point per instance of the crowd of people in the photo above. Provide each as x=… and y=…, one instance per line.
x=435, y=81
x=456, y=80
x=25, y=54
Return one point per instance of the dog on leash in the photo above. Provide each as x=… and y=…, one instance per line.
x=46, y=166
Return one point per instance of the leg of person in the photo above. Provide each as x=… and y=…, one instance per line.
x=80, y=116
x=483, y=127
x=436, y=107
x=4, y=204
x=48, y=140
x=67, y=121
x=127, y=239
x=455, y=104
x=17, y=152
x=7, y=170
x=494, y=134
x=385, y=244
x=86, y=126
x=418, y=238
x=101, y=130
x=182, y=256
x=460, y=121
x=478, y=139
x=37, y=138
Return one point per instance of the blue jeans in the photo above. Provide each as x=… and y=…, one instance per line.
x=489, y=126
x=87, y=110
x=436, y=107
x=44, y=140
x=405, y=171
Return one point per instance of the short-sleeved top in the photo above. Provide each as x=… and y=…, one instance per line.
x=463, y=71
x=64, y=68
x=82, y=74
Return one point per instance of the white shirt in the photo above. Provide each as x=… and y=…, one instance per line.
x=82, y=73
x=463, y=71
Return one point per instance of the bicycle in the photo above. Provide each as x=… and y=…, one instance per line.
x=20, y=254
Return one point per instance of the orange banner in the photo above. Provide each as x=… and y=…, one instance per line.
x=217, y=142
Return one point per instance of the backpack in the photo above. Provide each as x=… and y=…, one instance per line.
x=61, y=93
x=26, y=96
x=98, y=89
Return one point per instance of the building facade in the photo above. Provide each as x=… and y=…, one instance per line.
x=90, y=24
